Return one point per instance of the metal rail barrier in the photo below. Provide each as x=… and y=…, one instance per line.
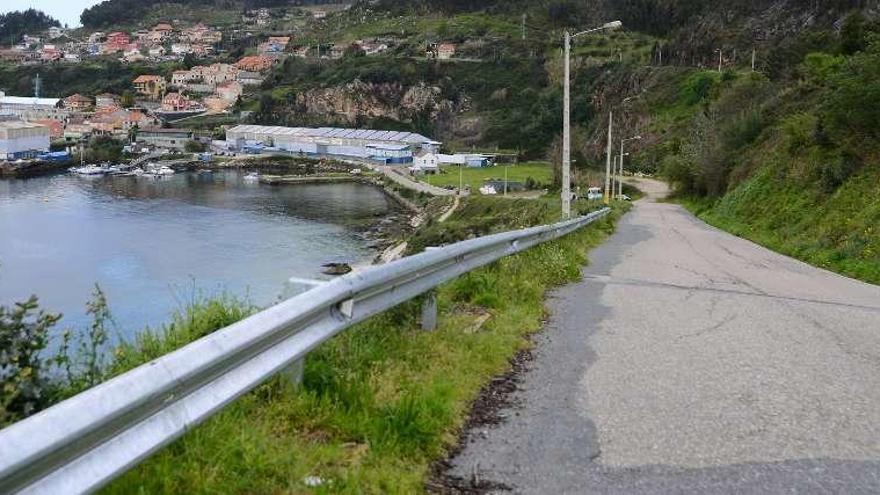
x=87, y=440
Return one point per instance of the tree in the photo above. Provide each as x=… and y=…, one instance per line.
x=852, y=33
x=15, y=24
x=127, y=100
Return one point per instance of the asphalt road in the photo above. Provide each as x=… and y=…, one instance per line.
x=691, y=361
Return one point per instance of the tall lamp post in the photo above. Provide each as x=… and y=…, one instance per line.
x=566, y=117
x=623, y=142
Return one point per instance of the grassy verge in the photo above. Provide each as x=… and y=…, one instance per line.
x=838, y=232
x=540, y=173
x=384, y=400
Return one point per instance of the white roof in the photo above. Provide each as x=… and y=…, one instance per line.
x=336, y=132
x=17, y=124
x=28, y=100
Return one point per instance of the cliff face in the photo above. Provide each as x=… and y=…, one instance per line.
x=358, y=102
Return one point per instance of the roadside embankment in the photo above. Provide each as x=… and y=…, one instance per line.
x=383, y=401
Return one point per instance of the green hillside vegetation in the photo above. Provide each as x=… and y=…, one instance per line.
x=791, y=164
x=17, y=23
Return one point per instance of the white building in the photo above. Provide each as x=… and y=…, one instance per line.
x=22, y=140
x=426, y=162
x=30, y=108
x=388, y=146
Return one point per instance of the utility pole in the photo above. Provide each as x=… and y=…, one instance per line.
x=719, y=60
x=566, y=122
x=608, y=159
x=753, y=59
x=566, y=134
x=523, y=27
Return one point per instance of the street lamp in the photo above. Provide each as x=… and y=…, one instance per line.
x=622, y=142
x=566, y=119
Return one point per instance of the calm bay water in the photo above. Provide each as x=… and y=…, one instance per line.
x=153, y=244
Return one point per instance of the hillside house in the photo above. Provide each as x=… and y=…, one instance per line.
x=445, y=51
x=106, y=100
x=254, y=63
x=371, y=47
x=176, y=102
x=77, y=102
x=274, y=46
x=149, y=85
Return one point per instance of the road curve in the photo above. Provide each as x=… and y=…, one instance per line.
x=691, y=361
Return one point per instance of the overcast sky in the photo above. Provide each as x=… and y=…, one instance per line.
x=66, y=11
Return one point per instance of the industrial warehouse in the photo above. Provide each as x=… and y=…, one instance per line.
x=22, y=140
x=392, y=147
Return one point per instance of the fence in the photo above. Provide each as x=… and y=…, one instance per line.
x=84, y=442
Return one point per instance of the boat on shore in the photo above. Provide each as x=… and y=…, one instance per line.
x=252, y=177
x=88, y=170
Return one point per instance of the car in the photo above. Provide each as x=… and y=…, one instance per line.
x=594, y=194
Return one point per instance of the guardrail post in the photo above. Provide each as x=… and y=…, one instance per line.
x=429, y=311
x=294, y=373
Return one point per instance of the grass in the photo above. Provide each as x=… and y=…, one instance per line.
x=839, y=232
x=541, y=172
x=383, y=401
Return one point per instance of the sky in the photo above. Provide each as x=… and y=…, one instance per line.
x=66, y=11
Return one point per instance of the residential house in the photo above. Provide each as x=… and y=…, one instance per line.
x=255, y=63
x=150, y=85
x=55, y=32
x=274, y=46
x=445, y=51
x=181, y=48
x=371, y=47
x=319, y=14
x=50, y=54
x=106, y=100
x=301, y=51
x=96, y=37
x=426, y=162
x=117, y=41
x=156, y=52
x=161, y=32
x=133, y=56
x=176, y=102
x=77, y=102
x=247, y=78
x=338, y=50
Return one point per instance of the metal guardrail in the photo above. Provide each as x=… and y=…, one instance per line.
x=85, y=441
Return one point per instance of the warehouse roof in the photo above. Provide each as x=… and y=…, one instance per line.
x=335, y=132
x=17, y=124
x=28, y=100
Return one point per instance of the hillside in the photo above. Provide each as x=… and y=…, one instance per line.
x=17, y=23
x=790, y=162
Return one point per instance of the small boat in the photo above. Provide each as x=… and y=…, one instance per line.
x=137, y=172
x=252, y=177
x=165, y=171
x=336, y=268
x=89, y=170
x=206, y=171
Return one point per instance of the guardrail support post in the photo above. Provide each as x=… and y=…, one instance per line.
x=294, y=373
x=429, y=311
